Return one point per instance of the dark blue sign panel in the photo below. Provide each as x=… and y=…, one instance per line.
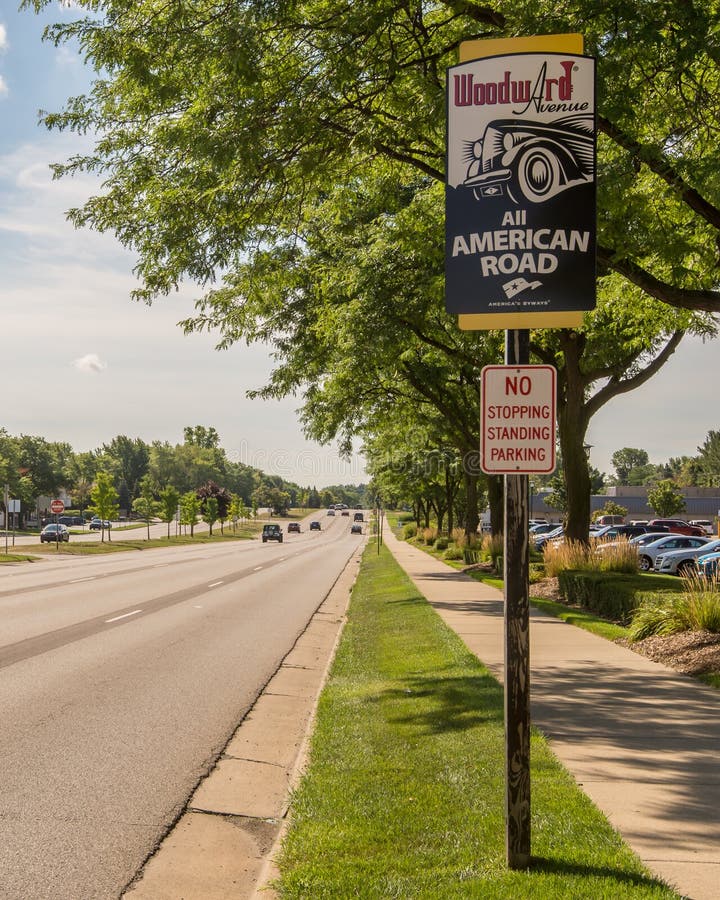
x=520, y=194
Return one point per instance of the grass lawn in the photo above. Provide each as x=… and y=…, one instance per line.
x=404, y=792
x=115, y=545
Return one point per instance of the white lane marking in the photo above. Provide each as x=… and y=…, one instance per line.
x=257, y=568
x=282, y=559
x=160, y=565
x=215, y=583
x=79, y=580
x=123, y=616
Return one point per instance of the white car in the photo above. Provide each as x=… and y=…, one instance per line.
x=706, y=525
x=648, y=553
x=682, y=562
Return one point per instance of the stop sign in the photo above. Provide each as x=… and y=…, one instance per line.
x=57, y=506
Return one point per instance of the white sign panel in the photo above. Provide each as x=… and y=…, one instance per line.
x=518, y=405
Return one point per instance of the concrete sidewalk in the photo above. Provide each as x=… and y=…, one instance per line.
x=642, y=740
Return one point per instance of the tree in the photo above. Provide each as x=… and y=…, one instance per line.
x=127, y=459
x=221, y=498
x=666, y=499
x=210, y=512
x=103, y=498
x=627, y=459
x=189, y=510
x=146, y=504
x=201, y=436
x=169, y=500
x=710, y=458
x=325, y=89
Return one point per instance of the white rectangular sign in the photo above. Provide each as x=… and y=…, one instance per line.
x=518, y=405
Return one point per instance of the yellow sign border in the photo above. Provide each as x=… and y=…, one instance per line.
x=547, y=43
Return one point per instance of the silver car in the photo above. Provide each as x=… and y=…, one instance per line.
x=648, y=553
x=682, y=562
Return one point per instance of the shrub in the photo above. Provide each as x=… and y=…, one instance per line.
x=441, y=543
x=453, y=552
x=429, y=535
x=405, y=517
x=697, y=608
x=493, y=547
x=409, y=531
x=595, y=557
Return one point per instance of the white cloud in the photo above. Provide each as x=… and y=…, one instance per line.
x=90, y=364
x=3, y=37
x=4, y=90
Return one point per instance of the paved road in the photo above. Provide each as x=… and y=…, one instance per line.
x=121, y=679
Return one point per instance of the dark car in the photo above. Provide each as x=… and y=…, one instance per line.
x=315, y=526
x=631, y=531
x=358, y=517
x=356, y=528
x=272, y=532
x=99, y=524
x=532, y=161
x=344, y=512
x=54, y=533
x=71, y=520
x=294, y=526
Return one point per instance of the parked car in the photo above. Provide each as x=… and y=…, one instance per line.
x=315, y=526
x=631, y=531
x=294, y=526
x=542, y=539
x=610, y=520
x=54, y=533
x=99, y=524
x=682, y=562
x=356, y=528
x=707, y=565
x=272, y=532
x=707, y=526
x=648, y=553
x=677, y=526
x=541, y=528
x=71, y=520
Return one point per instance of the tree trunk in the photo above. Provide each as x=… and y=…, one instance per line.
x=495, y=488
x=472, y=517
x=573, y=423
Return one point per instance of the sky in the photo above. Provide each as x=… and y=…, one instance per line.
x=81, y=362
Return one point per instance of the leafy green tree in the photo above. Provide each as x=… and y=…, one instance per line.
x=145, y=504
x=273, y=497
x=201, y=436
x=189, y=510
x=221, y=496
x=127, y=459
x=210, y=512
x=627, y=459
x=104, y=501
x=666, y=499
x=169, y=501
x=709, y=458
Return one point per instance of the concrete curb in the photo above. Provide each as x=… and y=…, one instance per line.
x=225, y=842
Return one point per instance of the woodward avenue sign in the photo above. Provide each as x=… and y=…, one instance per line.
x=520, y=194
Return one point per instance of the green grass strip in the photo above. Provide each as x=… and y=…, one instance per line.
x=404, y=791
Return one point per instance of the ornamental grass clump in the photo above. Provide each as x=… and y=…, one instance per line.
x=594, y=557
x=697, y=608
x=429, y=535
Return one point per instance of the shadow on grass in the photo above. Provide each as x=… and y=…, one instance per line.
x=438, y=705
x=542, y=865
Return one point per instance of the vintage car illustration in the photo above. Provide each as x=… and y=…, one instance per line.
x=531, y=161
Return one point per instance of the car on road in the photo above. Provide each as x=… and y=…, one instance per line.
x=272, y=532
x=356, y=528
x=99, y=524
x=331, y=512
x=344, y=512
x=358, y=517
x=648, y=553
x=315, y=526
x=678, y=526
x=294, y=526
x=54, y=533
x=683, y=562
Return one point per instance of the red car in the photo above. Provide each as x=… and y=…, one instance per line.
x=293, y=526
x=677, y=526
